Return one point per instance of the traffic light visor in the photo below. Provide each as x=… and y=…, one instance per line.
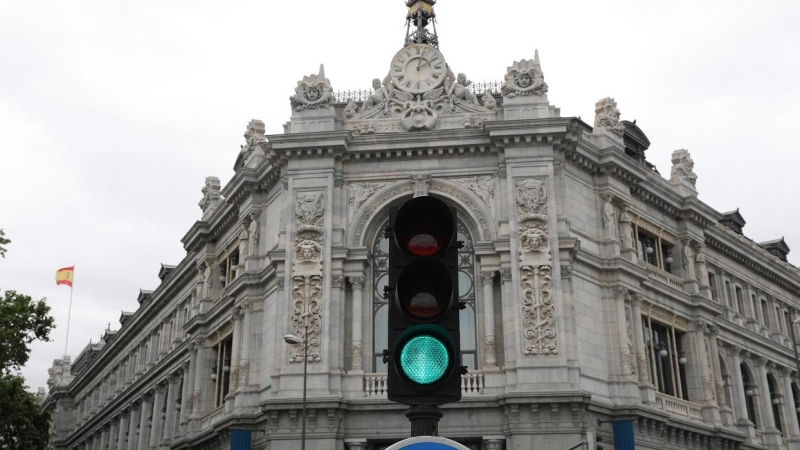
x=425, y=288
x=424, y=226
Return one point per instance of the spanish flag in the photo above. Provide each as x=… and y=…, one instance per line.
x=65, y=275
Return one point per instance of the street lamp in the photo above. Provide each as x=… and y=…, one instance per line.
x=294, y=340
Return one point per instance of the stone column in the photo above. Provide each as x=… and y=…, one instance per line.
x=172, y=396
x=357, y=355
x=510, y=352
x=244, y=359
x=198, y=364
x=155, y=426
x=124, y=419
x=104, y=435
x=766, y=405
x=143, y=441
x=790, y=408
x=188, y=391
x=739, y=383
x=133, y=423
x=490, y=348
x=641, y=348
x=113, y=435
x=625, y=353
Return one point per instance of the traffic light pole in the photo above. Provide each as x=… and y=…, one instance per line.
x=424, y=420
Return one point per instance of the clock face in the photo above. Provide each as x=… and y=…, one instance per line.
x=418, y=68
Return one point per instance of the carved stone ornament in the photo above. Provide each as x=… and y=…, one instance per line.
x=421, y=184
x=254, y=229
x=350, y=109
x=610, y=218
x=524, y=78
x=473, y=121
x=244, y=373
x=532, y=216
x=701, y=266
x=255, y=141
x=606, y=117
x=538, y=310
x=393, y=107
x=490, y=348
x=682, y=168
x=626, y=233
x=211, y=195
x=312, y=92
x=688, y=261
x=360, y=192
x=482, y=186
x=357, y=356
x=307, y=287
x=488, y=100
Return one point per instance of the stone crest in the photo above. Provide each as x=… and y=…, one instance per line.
x=211, y=195
x=255, y=143
x=682, y=168
x=312, y=92
x=524, y=78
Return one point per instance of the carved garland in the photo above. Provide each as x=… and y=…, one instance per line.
x=307, y=288
x=536, y=282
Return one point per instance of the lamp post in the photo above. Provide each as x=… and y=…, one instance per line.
x=294, y=340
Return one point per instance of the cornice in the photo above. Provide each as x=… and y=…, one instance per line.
x=196, y=237
x=555, y=131
x=754, y=258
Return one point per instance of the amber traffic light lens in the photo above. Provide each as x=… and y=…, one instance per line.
x=425, y=288
x=424, y=226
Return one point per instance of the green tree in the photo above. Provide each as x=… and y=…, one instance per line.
x=24, y=425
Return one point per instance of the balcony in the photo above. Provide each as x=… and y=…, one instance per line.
x=472, y=383
x=662, y=276
x=678, y=407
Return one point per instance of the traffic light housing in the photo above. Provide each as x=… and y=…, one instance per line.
x=424, y=354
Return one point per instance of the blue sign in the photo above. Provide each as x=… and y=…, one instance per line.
x=623, y=435
x=427, y=443
x=240, y=439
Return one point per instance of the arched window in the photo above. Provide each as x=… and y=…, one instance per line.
x=466, y=291
x=749, y=393
x=796, y=397
x=775, y=402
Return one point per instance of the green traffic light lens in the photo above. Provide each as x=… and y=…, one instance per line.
x=424, y=359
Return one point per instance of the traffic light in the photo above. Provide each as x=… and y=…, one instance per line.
x=424, y=354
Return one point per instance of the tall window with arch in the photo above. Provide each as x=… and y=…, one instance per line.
x=749, y=393
x=466, y=293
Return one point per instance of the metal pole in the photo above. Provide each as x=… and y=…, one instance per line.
x=424, y=420
x=69, y=313
x=305, y=379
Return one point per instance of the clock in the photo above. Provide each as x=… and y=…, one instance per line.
x=418, y=68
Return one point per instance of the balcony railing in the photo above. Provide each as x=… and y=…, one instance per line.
x=662, y=276
x=679, y=407
x=375, y=384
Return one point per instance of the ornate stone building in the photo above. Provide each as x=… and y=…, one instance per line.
x=596, y=287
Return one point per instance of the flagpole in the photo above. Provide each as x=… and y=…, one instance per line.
x=69, y=314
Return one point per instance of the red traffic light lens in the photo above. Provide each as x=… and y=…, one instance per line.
x=425, y=288
x=424, y=226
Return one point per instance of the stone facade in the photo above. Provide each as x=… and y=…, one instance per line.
x=600, y=289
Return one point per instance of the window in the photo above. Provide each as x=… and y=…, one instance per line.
x=466, y=291
x=666, y=357
x=749, y=393
x=754, y=302
x=740, y=301
x=712, y=282
x=765, y=313
x=729, y=294
x=228, y=267
x=654, y=250
x=221, y=370
x=775, y=402
x=779, y=325
x=787, y=319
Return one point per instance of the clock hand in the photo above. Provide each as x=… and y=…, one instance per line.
x=421, y=66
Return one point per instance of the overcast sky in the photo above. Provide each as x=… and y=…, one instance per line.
x=113, y=113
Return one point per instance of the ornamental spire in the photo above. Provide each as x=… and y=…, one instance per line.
x=420, y=14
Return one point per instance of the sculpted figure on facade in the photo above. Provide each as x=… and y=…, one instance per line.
x=254, y=230
x=524, y=78
x=610, y=218
x=312, y=92
x=702, y=268
x=244, y=239
x=350, y=109
x=626, y=234
x=361, y=192
x=606, y=117
x=458, y=91
x=421, y=184
x=380, y=98
x=689, y=261
x=682, y=168
x=488, y=100
x=208, y=280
